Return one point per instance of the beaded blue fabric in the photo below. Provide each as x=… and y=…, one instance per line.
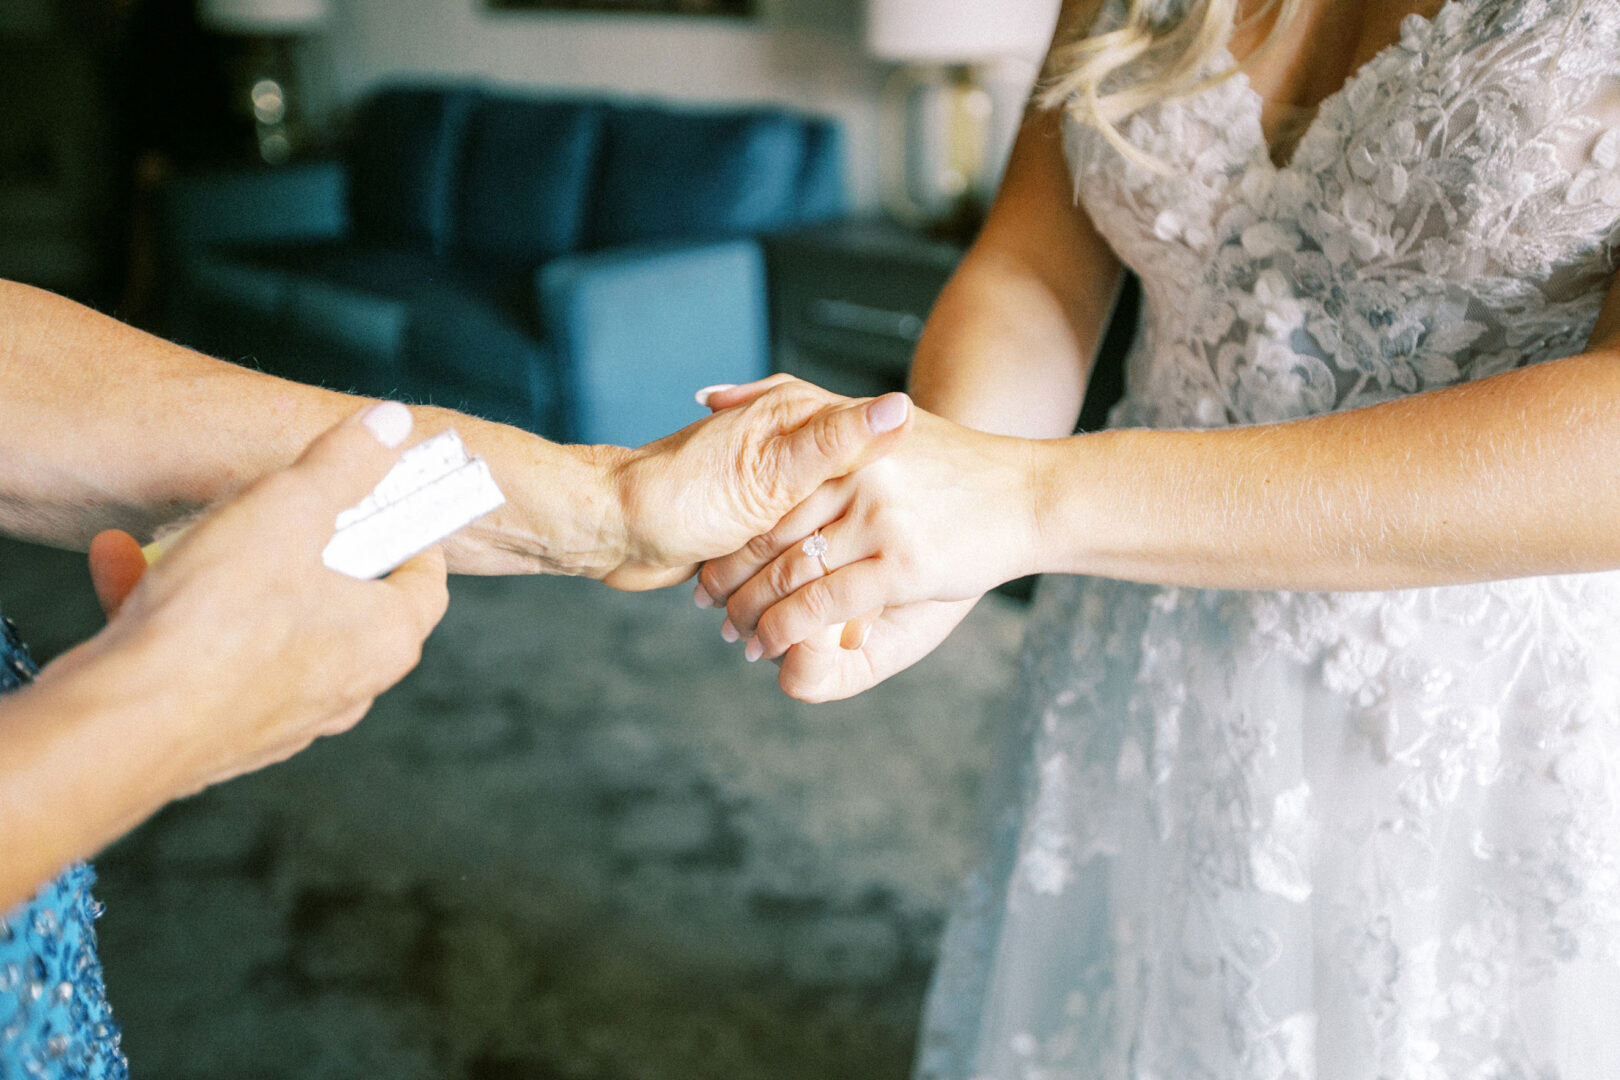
x=55, y=1023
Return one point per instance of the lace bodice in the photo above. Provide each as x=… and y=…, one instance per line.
x=1290, y=836
x=1450, y=213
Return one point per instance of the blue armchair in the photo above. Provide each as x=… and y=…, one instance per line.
x=575, y=267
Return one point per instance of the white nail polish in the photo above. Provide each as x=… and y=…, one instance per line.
x=702, y=395
x=701, y=597
x=389, y=421
x=753, y=650
x=729, y=632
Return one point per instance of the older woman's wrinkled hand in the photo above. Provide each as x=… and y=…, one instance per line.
x=705, y=490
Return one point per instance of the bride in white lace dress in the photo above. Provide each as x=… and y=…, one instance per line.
x=1334, y=792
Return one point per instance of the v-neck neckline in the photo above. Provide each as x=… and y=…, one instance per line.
x=1428, y=26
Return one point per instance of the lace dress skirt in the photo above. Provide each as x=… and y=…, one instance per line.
x=1313, y=836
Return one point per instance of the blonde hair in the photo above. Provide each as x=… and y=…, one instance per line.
x=1176, y=40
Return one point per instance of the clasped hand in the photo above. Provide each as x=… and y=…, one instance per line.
x=289, y=650
x=912, y=542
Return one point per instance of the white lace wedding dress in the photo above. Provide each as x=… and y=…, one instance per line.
x=1367, y=836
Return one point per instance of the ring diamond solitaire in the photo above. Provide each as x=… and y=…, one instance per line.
x=815, y=546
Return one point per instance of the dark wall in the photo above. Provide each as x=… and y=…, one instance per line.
x=101, y=98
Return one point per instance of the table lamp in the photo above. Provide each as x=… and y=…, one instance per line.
x=268, y=84
x=942, y=140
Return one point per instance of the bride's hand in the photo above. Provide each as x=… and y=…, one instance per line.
x=945, y=517
x=703, y=491
x=821, y=669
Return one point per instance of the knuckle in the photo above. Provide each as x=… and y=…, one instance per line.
x=772, y=409
x=817, y=601
x=785, y=393
x=762, y=547
x=779, y=578
x=785, y=624
x=829, y=436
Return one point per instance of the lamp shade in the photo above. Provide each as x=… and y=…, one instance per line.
x=959, y=31
x=262, y=16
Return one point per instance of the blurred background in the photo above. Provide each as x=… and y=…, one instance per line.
x=584, y=840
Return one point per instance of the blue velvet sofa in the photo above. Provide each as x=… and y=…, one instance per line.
x=576, y=267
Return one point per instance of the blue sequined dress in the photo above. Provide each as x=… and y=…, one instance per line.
x=55, y=1023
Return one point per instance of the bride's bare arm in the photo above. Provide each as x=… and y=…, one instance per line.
x=1009, y=346
x=104, y=426
x=1504, y=477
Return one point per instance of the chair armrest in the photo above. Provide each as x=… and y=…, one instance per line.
x=638, y=331
x=290, y=202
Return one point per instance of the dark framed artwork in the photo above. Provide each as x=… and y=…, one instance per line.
x=731, y=8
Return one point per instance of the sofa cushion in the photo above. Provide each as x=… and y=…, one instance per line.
x=403, y=160
x=526, y=179
x=460, y=352
x=334, y=319
x=670, y=174
x=822, y=196
x=454, y=341
x=224, y=307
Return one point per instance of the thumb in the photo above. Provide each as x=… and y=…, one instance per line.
x=344, y=464
x=840, y=439
x=116, y=566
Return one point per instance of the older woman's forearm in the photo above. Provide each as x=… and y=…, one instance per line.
x=104, y=426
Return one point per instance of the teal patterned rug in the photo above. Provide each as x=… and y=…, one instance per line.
x=583, y=841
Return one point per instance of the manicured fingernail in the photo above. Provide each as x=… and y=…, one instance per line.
x=729, y=632
x=888, y=412
x=701, y=597
x=753, y=650
x=703, y=394
x=854, y=639
x=389, y=421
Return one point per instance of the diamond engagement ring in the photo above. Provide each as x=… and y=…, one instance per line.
x=815, y=546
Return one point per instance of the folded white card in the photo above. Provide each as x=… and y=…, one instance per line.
x=435, y=489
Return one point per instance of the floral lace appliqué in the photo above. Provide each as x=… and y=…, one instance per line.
x=1288, y=836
